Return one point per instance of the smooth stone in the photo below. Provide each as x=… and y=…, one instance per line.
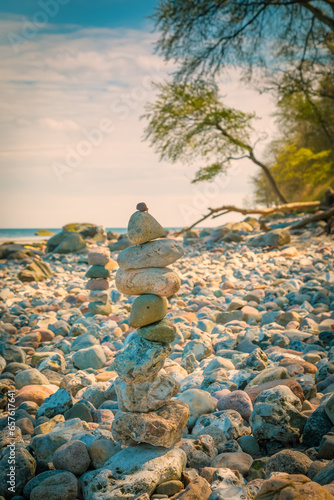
x=238, y=401
x=326, y=474
x=317, y=425
x=268, y=375
x=98, y=256
x=133, y=472
x=329, y=408
x=147, y=309
x=97, y=284
x=249, y=445
x=295, y=387
x=163, y=427
x=100, y=308
x=157, y=253
x=98, y=272
x=62, y=486
x=73, y=457
x=102, y=450
x=30, y=377
x=142, y=227
x=91, y=357
x=35, y=393
x=98, y=296
x=290, y=461
x=141, y=360
x=36, y=481
x=161, y=331
x=275, y=238
x=158, y=281
x=199, y=402
x=145, y=396
x=239, y=461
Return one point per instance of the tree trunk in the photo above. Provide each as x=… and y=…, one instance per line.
x=270, y=178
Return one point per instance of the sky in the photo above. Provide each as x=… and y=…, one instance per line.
x=75, y=77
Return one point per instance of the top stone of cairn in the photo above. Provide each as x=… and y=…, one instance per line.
x=143, y=227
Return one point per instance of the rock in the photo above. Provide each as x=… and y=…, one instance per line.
x=72, y=456
x=36, y=481
x=229, y=422
x=289, y=461
x=99, y=296
x=66, y=242
x=160, y=428
x=34, y=393
x=200, y=451
x=198, y=489
x=276, y=415
x=161, y=331
x=128, y=474
x=29, y=377
x=159, y=281
x=274, y=238
x=12, y=353
x=317, y=425
x=293, y=486
x=249, y=445
x=268, y=375
x=101, y=450
x=56, y=404
x=97, y=284
x=45, y=445
x=141, y=360
x=293, y=385
x=91, y=357
x=143, y=227
x=326, y=474
x=157, y=253
x=37, y=270
x=24, y=470
x=145, y=396
x=147, y=309
x=98, y=256
x=98, y=272
x=326, y=447
x=329, y=408
x=256, y=360
x=238, y=401
x=199, y=403
x=62, y=486
x=122, y=243
x=234, y=461
x=169, y=488
x=79, y=410
x=100, y=308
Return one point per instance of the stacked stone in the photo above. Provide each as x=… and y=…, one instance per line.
x=144, y=391
x=98, y=284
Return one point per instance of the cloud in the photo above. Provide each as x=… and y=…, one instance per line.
x=56, y=93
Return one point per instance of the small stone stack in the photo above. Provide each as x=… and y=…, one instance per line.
x=98, y=284
x=144, y=391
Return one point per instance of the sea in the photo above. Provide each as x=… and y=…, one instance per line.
x=29, y=234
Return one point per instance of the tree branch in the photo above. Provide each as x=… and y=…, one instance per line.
x=287, y=207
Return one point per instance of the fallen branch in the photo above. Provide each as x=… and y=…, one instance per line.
x=287, y=207
x=314, y=218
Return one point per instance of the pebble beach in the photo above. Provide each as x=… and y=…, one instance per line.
x=222, y=390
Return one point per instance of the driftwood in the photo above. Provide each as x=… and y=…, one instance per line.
x=313, y=218
x=225, y=209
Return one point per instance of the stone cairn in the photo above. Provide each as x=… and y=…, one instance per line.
x=146, y=413
x=98, y=284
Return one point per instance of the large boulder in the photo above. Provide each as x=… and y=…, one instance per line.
x=274, y=238
x=66, y=242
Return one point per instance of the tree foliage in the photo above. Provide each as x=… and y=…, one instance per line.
x=286, y=37
x=303, y=155
x=189, y=123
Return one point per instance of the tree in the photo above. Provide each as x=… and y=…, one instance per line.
x=303, y=155
x=188, y=122
x=285, y=37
